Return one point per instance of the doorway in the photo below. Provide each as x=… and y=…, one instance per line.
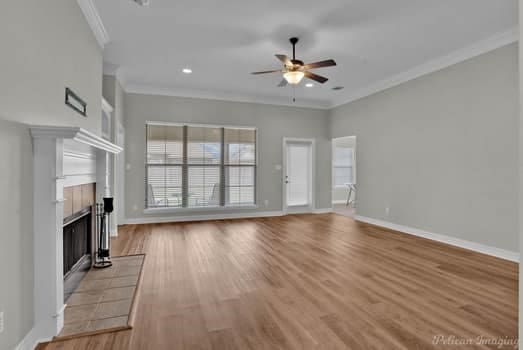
x=298, y=175
x=344, y=175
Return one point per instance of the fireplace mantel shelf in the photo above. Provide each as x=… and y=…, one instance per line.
x=75, y=133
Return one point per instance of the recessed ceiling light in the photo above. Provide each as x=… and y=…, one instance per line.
x=187, y=70
x=309, y=85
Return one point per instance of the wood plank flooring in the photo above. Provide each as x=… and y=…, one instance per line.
x=307, y=282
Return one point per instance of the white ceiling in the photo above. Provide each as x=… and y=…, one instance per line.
x=223, y=41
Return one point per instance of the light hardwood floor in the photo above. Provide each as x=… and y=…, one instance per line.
x=307, y=282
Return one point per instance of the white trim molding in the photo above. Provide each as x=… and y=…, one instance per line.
x=95, y=22
x=486, y=45
x=76, y=134
x=205, y=217
x=30, y=341
x=142, y=89
x=322, y=211
x=458, y=242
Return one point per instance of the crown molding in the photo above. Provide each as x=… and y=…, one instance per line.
x=223, y=96
x=481, y=47
x=95, y=22
x=76, y=134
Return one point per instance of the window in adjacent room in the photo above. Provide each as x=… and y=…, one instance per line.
x=343, y=161
x=192, y=166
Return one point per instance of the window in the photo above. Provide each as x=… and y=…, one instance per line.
x=342, y=171
x=190, y=166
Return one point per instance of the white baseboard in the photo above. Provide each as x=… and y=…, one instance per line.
x=322, y=211
x=477, y=247
x=340, y=201
x=207, y=217
x=32, y=339
x=182, y=218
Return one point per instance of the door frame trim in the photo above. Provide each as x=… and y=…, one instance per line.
x=312, y=188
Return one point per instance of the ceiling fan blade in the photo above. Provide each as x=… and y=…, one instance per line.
x=282, y=83
x=316, y=77
x=267, y=71
x=286, y=61
x=321, y=64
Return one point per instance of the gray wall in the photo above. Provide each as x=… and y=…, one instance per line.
x=273, y=123
x=16, y=237
x=441, y=151
x=46, y=46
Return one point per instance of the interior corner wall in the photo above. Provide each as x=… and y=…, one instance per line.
x=46, y=47
x=440, y=151
x=114, y=94
x=273, y=123
x=520, y=150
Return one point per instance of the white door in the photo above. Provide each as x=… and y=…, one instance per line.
x=298, y=173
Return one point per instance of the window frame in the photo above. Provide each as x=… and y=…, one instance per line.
x=222, y=167
x=334, y=167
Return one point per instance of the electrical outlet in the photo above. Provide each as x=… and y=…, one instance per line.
x=387, y=211
x=1, y=322
x=266, y=203
x=135, y=207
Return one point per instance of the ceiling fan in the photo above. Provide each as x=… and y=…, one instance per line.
x=294, y=70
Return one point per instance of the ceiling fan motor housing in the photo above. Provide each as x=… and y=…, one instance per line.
x=297, y=63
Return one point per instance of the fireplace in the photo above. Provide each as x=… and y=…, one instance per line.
x=67, y=163
x=78, y=234
x=77, y=242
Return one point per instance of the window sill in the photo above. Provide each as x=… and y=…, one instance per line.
x=341, y=186
x=196, y=210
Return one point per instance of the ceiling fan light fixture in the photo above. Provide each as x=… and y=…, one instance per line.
x=293, y=77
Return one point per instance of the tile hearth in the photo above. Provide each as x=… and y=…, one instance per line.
x=103, y=300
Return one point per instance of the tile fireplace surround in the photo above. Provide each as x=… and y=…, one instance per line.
x=62, y=157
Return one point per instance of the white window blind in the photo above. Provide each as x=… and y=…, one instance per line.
x=240, y=166
x=200, y=166
x=343, y=161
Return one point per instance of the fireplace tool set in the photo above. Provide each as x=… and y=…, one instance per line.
x=103, y=239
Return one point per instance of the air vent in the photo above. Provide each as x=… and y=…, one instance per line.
x=336, y=88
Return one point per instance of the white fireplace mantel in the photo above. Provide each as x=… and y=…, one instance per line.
x=51, y=145
x=76, y=134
